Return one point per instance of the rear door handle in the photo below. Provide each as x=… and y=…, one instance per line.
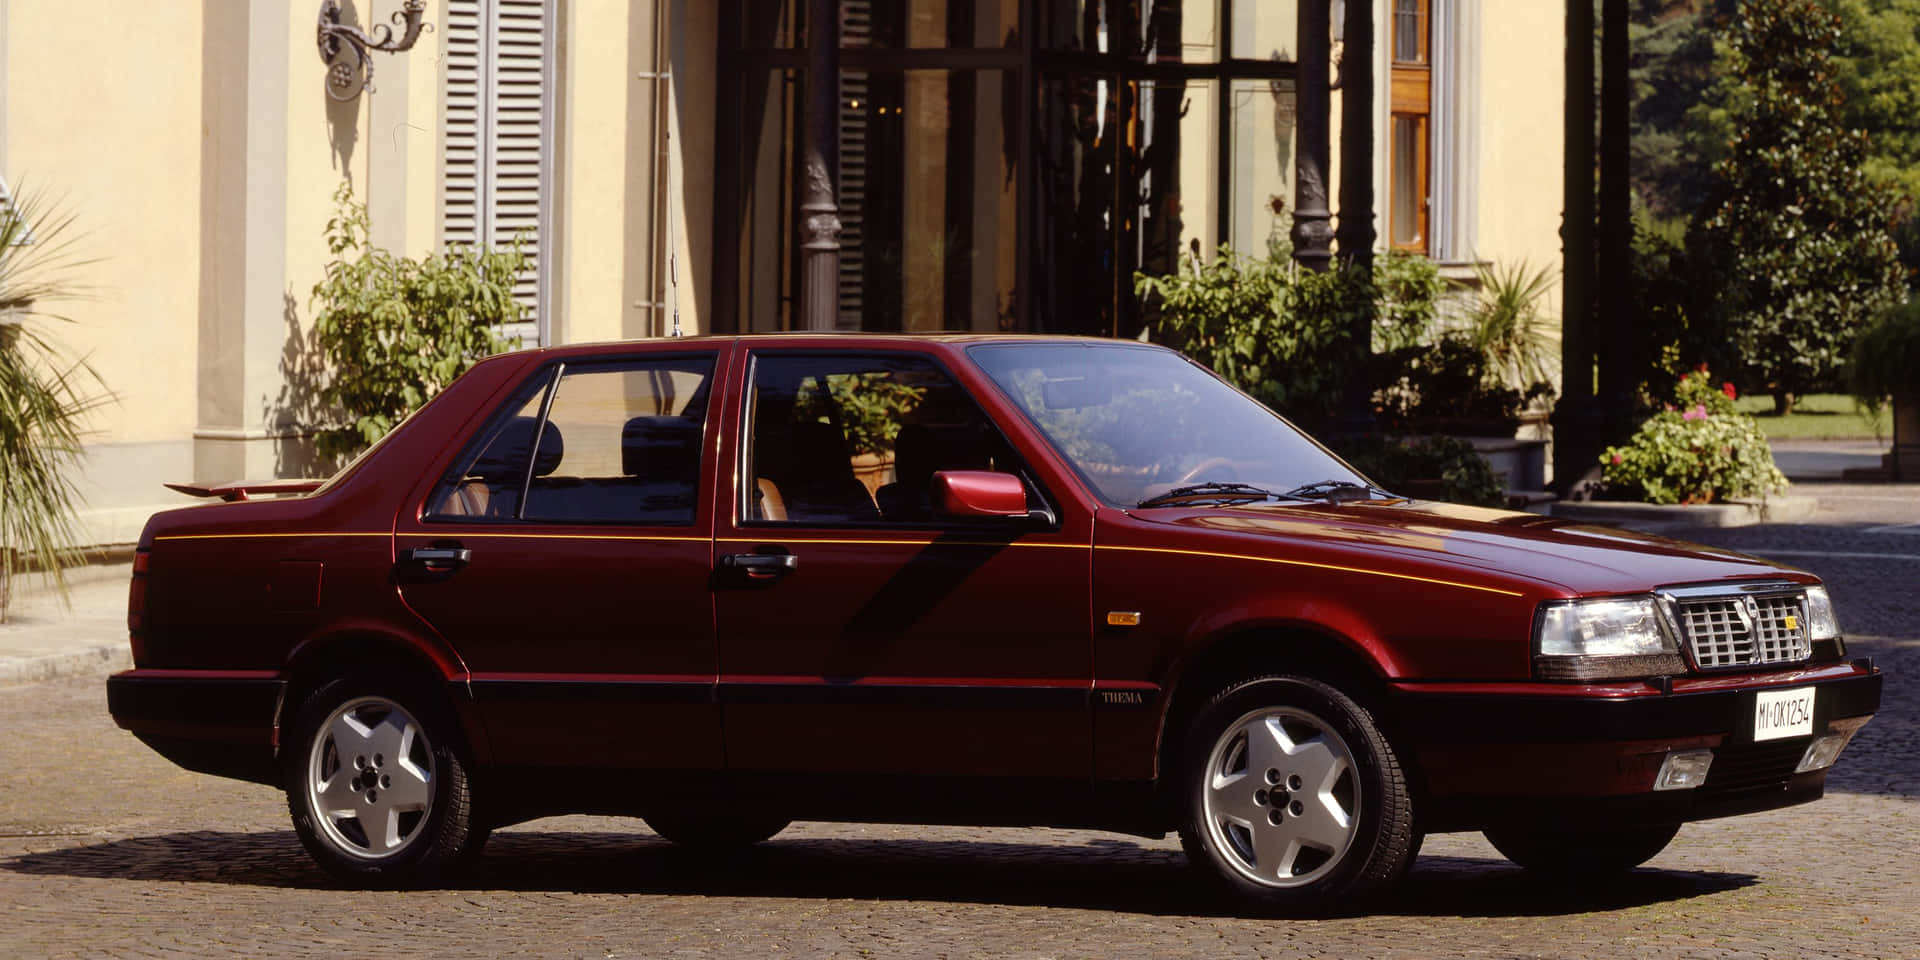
x=761, y=566
x=439, y=559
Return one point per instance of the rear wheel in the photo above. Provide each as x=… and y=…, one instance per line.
x=1582, y=853
x=378, y=794
x=716, y=832
x=1295, y=798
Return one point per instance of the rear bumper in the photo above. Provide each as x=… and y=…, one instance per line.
x=1571, y=759
x=217, y=722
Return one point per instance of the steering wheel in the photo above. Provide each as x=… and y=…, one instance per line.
x=1206, y=465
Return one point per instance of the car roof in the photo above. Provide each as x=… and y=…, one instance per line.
x=841, y=340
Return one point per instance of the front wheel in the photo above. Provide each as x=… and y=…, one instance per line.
x=378, y=795
x=1295, y=797
x=1582, y=853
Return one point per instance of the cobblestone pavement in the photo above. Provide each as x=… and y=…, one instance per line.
x=107, y=850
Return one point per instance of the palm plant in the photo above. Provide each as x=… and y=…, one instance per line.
x=44, y=395
x=1510, y=328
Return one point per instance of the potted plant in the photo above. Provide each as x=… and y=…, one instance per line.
x=1700, y=449
x=1886, y=364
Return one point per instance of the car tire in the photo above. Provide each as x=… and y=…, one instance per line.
x=1294, y=799
x=1582, y=853
x=716, y=832
x=376, y=784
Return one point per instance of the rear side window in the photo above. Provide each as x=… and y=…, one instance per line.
x=593, y=443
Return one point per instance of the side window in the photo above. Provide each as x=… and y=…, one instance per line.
x=851, y=439
x=619, y=443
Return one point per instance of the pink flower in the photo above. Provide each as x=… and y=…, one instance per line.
x=1616, y=459
x=1727, y=388
x=1699, y=412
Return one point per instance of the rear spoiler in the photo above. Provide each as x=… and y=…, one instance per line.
x=247, y=489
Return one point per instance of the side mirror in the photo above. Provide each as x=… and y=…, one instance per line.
x=978, y=493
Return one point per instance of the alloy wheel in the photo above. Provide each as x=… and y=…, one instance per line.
x=1281, y=799
x=370, y=778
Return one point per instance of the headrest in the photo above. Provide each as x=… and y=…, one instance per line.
x=659, y=442
x=505, y=459
x=818, y=451
x=921, y=449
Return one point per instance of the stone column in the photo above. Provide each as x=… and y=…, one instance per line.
x=819, y=206
x=1576, y=420
x=1618, y=320
x=1356, y=195
x=1312, y=230
x=244, y=292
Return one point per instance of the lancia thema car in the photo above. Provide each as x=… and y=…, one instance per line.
x=725, y=584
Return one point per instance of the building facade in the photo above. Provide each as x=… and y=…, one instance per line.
x=999, y=165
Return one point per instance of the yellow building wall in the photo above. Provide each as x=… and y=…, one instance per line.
x=1522, y=93
x=591, y=173
x=102, y=115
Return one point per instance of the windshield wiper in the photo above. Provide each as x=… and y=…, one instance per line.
x=1336, y=491
x=1210, y=491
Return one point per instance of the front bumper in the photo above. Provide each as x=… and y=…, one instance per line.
x=1564, y=756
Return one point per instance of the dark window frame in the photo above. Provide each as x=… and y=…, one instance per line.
x=544, y=382
x=743, y=457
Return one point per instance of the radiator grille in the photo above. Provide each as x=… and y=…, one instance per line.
x=1739, y=631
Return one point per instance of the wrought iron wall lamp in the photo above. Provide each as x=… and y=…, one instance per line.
x=344, y=47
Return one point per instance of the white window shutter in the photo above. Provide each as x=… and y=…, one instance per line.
x=498, y=123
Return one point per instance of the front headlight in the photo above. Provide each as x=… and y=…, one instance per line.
x=1605, y=639
x=1823, y=628
x=1821, y=623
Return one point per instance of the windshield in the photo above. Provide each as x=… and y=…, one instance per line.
x=1138, y=421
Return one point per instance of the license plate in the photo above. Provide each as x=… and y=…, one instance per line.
x=1778, y=714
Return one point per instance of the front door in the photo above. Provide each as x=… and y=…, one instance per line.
x=565, y=557
x=860, y=631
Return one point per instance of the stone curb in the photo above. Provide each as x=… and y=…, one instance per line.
x=92, y=661
x=1640, y=516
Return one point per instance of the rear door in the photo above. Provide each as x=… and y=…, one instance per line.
x=565, y=556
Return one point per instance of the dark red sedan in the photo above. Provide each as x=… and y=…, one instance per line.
x=724, y=584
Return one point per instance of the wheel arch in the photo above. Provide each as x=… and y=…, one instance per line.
x=1248, y=649
x=359, y=648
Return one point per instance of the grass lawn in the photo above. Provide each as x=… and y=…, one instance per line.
x=1820, y=416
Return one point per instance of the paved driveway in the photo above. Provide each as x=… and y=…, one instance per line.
x=107, y=850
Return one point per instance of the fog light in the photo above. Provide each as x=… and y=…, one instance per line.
x=1823, y=751
x=1683, y=770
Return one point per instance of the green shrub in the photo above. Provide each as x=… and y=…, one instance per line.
x=1280, y=333
x=1699, y=452
x=395, y=331
x=1433, y=467
x=1886, y=357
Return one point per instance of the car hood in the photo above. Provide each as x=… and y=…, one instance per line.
x=1579, y=557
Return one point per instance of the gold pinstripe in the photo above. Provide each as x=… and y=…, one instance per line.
x=1316, y=566
x=643, y=538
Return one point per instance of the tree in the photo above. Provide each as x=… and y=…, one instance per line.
x=1797, y=231
x=1681, y=103
x=1877, y=65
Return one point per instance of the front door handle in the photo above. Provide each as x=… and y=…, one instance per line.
x=761, y=566
x=439, y=559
